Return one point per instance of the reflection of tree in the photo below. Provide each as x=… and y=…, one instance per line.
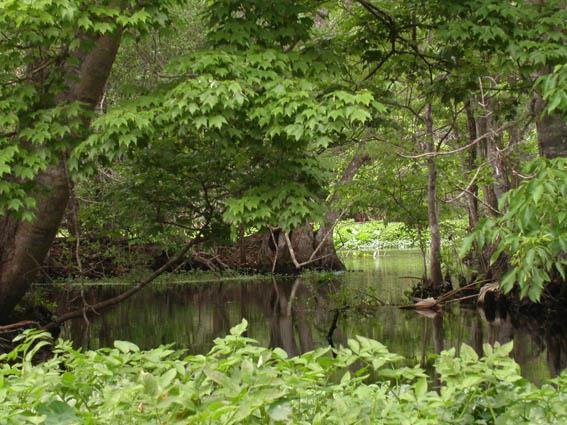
x=287, y=319
x=531, y=336
x=281, y=331
x=221, y=320
x=477, y=335
x=438, y=333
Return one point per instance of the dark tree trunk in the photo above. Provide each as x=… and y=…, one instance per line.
x=472, y=192
x=303, y=240
x=551, y=132
x=432, y=209
x=487, y=152
x=24, y=245
x=329, y=260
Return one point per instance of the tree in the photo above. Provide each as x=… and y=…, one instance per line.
x=55, y=60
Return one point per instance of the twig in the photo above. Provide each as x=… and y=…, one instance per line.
x=490, y=207
x=462, y=148
x=462, y=298
x=468, y=187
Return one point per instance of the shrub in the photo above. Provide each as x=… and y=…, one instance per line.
x=241, y=382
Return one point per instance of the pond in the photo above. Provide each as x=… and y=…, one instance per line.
x=300, y=314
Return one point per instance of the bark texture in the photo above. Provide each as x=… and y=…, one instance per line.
x=551, y=132
x=472, y=194
x=24, y=245
x=489, y=153
x=432, y=209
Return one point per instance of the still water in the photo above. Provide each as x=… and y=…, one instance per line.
x=300, y=314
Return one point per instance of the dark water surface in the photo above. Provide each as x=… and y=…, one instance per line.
x=299, y=314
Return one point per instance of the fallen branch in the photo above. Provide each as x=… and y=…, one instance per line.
x=423, y=304
x=435, y=304
x=468, y=297
x=449, y=294
x=16, y=326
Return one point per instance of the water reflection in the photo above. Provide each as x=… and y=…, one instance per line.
x=302, y=314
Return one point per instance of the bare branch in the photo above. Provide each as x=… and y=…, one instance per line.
x=462, y=148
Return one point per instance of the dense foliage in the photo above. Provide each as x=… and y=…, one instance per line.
x=241, y=382
x=245, y=135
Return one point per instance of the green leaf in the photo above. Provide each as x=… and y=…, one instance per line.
x=57, y=413
x=239, y=329
x=126, y=347
x=420, y=387
x=167, y=378
x=281, y=412
x=508, y=281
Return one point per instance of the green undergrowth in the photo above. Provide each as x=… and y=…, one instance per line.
x=241, y=382
x=377, y=235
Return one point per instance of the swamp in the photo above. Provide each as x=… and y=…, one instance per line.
x=291, y=211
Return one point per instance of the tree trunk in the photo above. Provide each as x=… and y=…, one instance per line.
x=551, y=128
x=487, y=152
x=432, y=209
x=312, y=250
x=324, y=236
x=551, y=131
x=472, y=194
x=24, y=245
x=329, y=260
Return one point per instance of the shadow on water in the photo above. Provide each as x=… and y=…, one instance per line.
x=301, y=314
